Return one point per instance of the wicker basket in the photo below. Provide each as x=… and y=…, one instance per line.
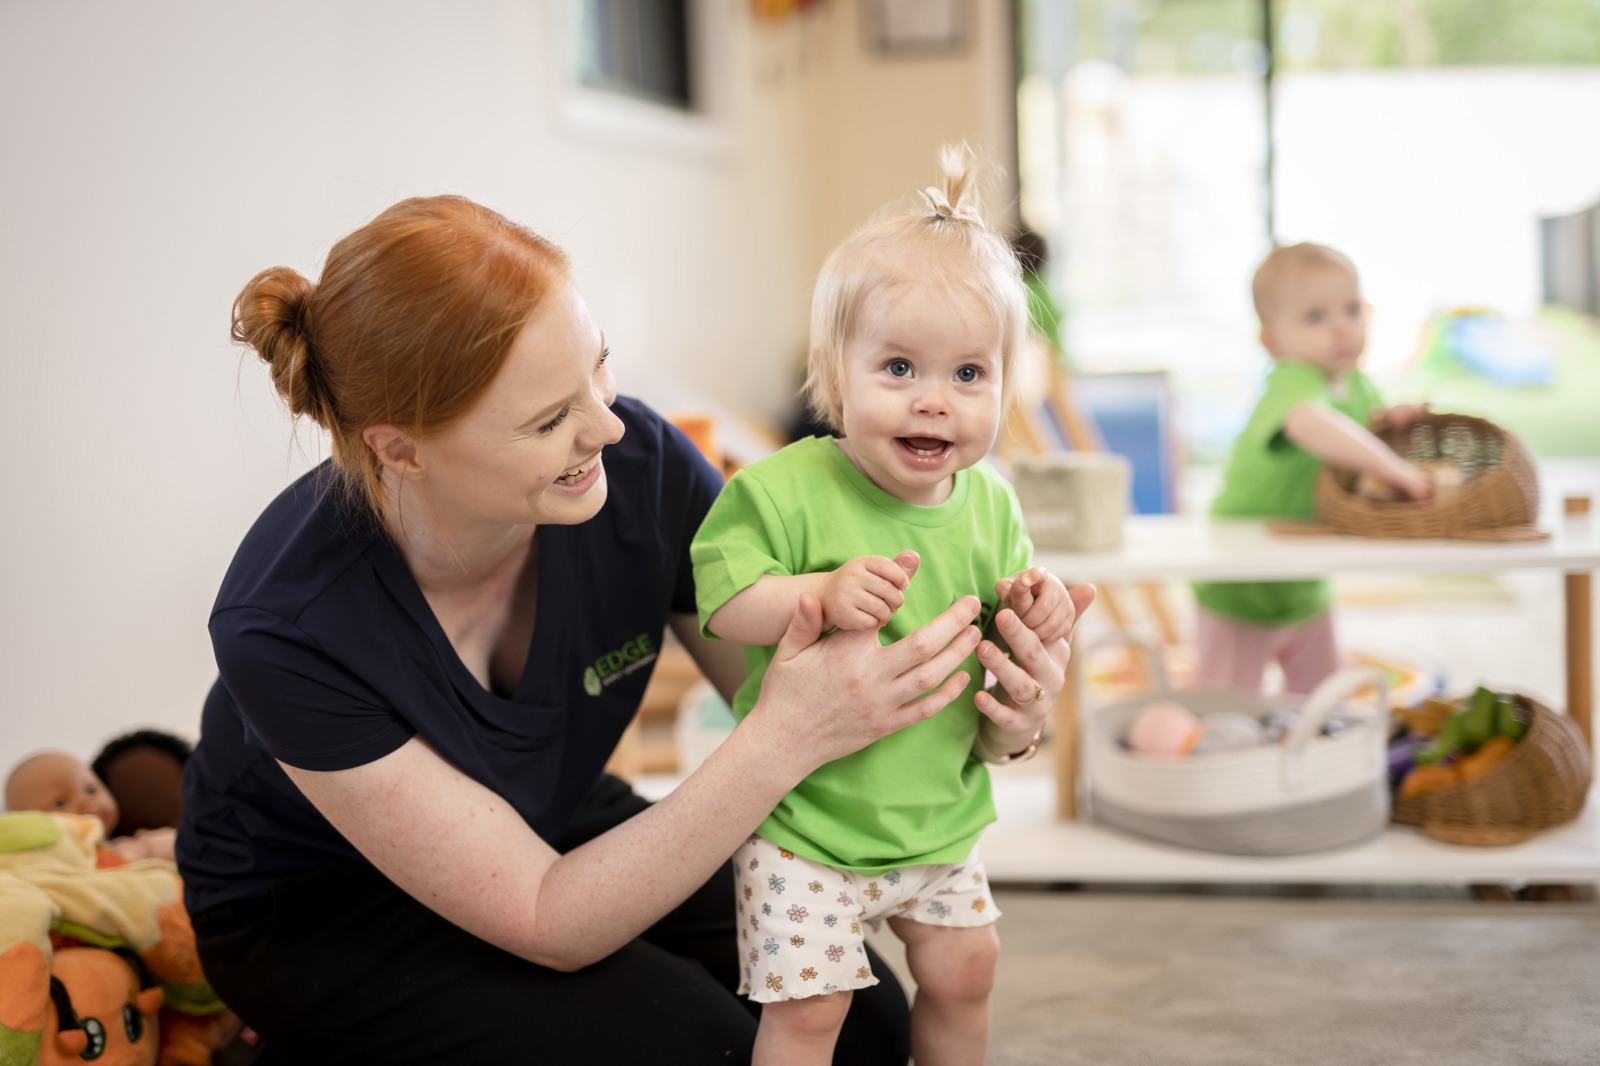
x=1309, y=794
x=1542, y=783
x=1498, y=501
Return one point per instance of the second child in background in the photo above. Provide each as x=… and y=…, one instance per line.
x=915, y=325
x=1316, y=410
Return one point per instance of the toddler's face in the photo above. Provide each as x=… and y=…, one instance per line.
x=1318, y=318
x=921, y=390
x=56, y=781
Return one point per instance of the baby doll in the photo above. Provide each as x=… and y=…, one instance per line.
x=144, y=771
x=915, y=323
x=58, y=781
x=1316, y=409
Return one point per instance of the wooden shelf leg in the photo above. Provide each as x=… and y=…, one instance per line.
x=1064, y=740
x=1580, y=653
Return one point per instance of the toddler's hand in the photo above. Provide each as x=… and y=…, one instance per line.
x=865, y=592
x=1410, y=482
x=1040, y=600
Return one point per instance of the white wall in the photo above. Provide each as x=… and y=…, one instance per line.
x=159, y=154
x=877, y=120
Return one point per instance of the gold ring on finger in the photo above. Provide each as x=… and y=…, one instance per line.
x=1038, y=692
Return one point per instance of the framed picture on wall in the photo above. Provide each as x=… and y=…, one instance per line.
x=916, y=25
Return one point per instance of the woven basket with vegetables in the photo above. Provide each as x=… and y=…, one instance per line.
x=1500, y=769
x=1485, y=486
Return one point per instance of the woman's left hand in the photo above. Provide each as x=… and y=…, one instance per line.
x=1027, y=680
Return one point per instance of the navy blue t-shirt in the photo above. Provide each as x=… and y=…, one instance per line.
x=330, y=658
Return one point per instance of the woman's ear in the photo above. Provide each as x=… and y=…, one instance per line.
x=395, y=449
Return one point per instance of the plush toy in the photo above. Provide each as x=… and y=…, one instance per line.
x=51, y=890
x=1228, y=731
x=1163, y=727
x=98, y=1011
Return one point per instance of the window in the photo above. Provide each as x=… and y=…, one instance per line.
x=637, y=47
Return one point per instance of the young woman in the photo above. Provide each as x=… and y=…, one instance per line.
x=399, y=843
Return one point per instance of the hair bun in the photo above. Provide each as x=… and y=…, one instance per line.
x=957, y=194
x=269, y=316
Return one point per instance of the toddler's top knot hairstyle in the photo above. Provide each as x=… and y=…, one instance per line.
x=945, y=242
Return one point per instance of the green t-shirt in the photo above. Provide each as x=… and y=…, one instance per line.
x=916, y=796
x=1268, y=476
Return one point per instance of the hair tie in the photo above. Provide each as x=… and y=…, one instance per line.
x=939, y=206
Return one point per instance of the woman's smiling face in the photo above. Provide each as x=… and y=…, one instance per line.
x=921, y=389
x=528, y=452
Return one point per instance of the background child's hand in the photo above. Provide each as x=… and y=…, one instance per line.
x=1040, y=600
x=1410, y=482
x=1398, y=417
x=865, y=592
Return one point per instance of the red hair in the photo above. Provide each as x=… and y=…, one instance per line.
x=412, y=318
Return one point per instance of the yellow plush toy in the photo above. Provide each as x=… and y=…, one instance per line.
x=50, y=884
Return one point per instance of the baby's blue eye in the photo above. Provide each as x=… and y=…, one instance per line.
x=899, y=368
x=968, y=374
x=1314, y=317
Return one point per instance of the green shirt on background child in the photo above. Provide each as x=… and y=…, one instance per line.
x=1268, y=476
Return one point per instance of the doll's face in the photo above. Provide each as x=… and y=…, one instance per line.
x=56, y=781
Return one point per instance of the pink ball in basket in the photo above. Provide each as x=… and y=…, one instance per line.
x=1163, y=727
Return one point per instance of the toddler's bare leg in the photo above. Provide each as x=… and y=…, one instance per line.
x=955, y=971
x=800, y=1032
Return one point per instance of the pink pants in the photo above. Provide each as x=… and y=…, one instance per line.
x=1234, y=654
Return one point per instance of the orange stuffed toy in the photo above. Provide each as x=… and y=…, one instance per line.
x=98, y=1011
x=56, y=901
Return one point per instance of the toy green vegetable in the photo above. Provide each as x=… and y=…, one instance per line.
x=1487, y=714
x=1509, y=719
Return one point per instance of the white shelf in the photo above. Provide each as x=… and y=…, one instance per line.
x=1197, y=548
x=1029, y=844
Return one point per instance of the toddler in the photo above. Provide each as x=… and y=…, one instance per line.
x=915, y=324
x=1316, y=410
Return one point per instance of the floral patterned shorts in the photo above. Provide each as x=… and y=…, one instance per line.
x=800, y=921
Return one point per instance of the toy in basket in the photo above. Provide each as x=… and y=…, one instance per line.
x=1309, y=792
x=1537, y=776
x=1485, y=486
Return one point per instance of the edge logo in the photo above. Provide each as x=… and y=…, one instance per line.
x=613, y=666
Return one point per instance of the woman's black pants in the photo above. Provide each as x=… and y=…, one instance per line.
x=342, y=966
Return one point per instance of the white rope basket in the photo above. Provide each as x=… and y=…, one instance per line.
x=1309, y=793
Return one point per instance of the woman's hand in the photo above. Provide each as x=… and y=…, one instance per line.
x=1028, y=680
x=825, y=697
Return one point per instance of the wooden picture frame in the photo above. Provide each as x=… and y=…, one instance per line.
x=926, y=27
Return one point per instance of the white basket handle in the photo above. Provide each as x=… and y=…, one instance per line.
x=1152, y=655
x=1319, y=705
